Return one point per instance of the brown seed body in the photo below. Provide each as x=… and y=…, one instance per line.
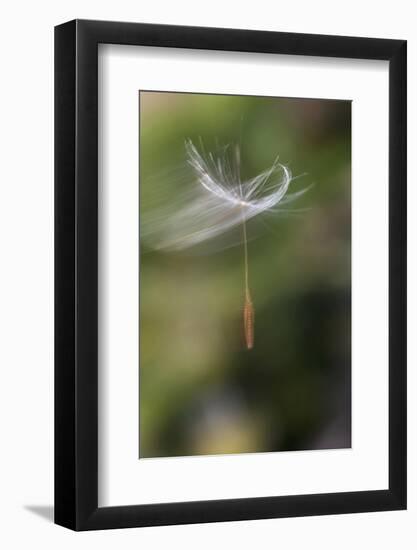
x=249, y=322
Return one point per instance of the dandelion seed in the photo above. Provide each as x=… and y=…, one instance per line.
x=221, y=202
x=249, y=322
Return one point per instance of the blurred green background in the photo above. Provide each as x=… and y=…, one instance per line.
x=201, y=391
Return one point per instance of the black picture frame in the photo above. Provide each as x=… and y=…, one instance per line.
x=76, y=272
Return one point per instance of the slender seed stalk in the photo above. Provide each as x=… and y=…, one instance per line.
x=248, y=309
x=246, y=263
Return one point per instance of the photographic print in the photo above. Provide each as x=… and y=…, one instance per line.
x=245, y=274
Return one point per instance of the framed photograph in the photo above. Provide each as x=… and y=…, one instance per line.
x=230, y=249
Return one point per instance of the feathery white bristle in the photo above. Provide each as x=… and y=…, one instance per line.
x=215, y=204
